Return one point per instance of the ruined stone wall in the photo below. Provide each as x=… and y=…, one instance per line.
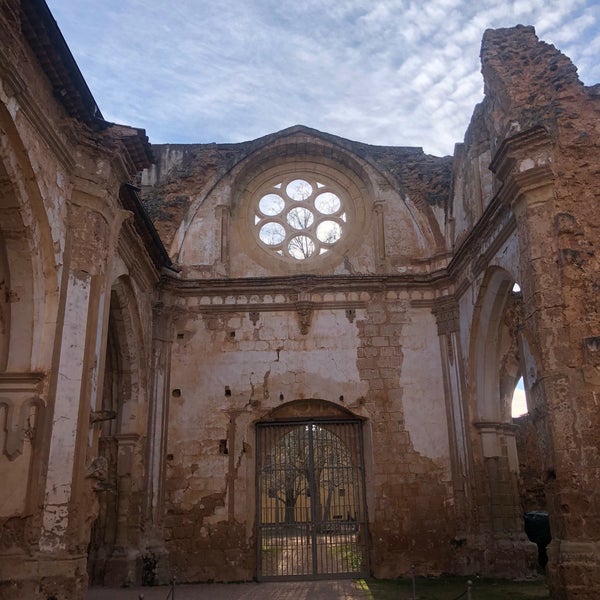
x=535, y=108
x=200, y=195
x=65, y=238
x=233, y=363
x=531, y=472
x=253, y=332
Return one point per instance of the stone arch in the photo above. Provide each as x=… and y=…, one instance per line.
x=28, y=279
x=369, y=192
x=495, y=360
x=125, y=346
x=309, y=408
x=494, y=365
x=123, y=411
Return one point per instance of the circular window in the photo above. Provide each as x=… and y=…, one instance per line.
x=300, y=217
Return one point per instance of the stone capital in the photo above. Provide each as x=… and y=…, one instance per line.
x=446, y=314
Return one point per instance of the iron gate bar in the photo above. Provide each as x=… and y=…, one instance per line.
x=315, y=468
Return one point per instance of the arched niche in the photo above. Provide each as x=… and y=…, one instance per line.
x=125, y=357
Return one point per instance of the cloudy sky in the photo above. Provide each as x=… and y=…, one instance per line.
x=390, y=72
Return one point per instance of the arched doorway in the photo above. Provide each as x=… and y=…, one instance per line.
x=311, y=509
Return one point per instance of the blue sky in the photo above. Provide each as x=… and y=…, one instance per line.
x=389, y=72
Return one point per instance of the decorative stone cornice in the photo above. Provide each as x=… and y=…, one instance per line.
x=303, y=285
x=15, y=86
x=523, y=163
x=21, y=382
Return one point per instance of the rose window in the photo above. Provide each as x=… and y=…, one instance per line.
x=300, y=218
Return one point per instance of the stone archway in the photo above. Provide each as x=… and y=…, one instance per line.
x=497, y=362
x=114, y=544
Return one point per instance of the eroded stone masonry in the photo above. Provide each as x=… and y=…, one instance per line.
x=295, y=356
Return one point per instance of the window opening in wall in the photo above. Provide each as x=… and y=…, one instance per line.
x=301, y=218
x=519, y=401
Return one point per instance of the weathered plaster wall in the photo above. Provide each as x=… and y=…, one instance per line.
x=231, y=367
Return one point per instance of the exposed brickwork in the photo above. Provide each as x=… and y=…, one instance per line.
x=404, y=482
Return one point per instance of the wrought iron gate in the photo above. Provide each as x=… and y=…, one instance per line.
x=310, y=498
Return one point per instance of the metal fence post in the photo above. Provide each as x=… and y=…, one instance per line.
x=469, y=584
x=414, y=583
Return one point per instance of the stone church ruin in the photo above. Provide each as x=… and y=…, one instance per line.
x=294, y=357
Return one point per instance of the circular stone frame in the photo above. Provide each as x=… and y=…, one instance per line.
x=292, y=216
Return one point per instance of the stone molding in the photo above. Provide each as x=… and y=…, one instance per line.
x=16, y=87
x=522, y=164
x=19, y=393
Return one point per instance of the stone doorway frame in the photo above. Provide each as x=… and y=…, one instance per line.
x=311, y=538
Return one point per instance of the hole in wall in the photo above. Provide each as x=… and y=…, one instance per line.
x=227, y=391
x=223, y=447
x=176, y=393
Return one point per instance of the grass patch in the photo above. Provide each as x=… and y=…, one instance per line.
x=350, y=556
x=451, y=588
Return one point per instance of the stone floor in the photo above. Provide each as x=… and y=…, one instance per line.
x=297, y=590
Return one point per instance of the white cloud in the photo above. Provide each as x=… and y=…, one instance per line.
x=391, y=72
